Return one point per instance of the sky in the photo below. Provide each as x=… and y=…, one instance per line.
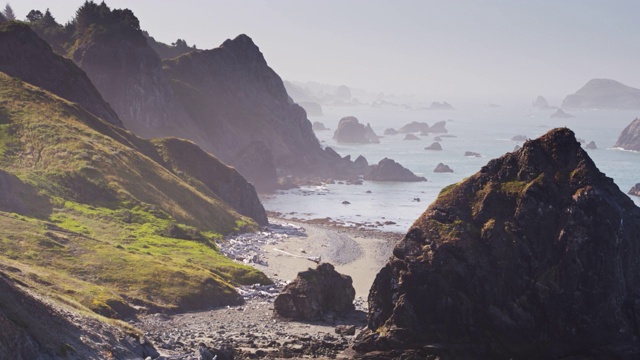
x=485, y=51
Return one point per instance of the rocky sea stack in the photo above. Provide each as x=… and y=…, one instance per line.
x=535, y=256
x=629, y=138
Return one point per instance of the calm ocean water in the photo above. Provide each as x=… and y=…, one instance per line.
x=486, y=131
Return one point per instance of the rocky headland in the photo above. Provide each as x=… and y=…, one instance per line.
x=532, y=257
x=603, y=94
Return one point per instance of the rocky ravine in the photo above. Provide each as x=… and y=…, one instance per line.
x=535, y=256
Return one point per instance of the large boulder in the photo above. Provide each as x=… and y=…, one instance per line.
x=537, y=256
x=389, y=170
x=434, y=146
x=315, y=293
x=629, y=138
x=442, y=168
x=350, y=130
x=414, y=127
x=318, y=126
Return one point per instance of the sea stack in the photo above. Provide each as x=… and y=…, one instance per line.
x=535, y=256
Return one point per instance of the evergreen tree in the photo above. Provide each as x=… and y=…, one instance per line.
x=8, y=12
x=34, y=15
x=2, y=18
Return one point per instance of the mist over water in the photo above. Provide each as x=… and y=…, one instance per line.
x=484, y=130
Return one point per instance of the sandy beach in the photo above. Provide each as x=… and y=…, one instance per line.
x=251, y=330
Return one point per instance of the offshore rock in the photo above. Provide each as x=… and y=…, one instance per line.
x=559, y=114
x=389, y=170
x=315, y=293
x=350, y=130
x=604, y=94
x=635, y=190
x=535, y=256
x=629, y=138
x=442, y=168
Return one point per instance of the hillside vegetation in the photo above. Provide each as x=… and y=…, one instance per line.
x=92, y=217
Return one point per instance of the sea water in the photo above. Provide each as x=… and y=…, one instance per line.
x=487, y=131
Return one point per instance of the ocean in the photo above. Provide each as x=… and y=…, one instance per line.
x=487, y=131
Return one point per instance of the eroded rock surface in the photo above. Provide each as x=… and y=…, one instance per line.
x=535, y=256
x=629, y=138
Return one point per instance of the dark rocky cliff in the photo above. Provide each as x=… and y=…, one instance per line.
x=25, y=56
x=535, y=256
x=629, y=138
x=238, y=100
x=115, y=54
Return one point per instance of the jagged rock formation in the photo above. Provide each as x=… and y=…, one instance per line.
x=411, y=137
x=389, y=170
x=559, y=114
x=390, y=131
x=434, y=146
x=351, y=131
x=540, y=103
x=635, y=190
x=315, y=293
x=604, y=94
x=535, y=256
x=591, y=145
x=25, y=56
x=629, y=138
x=442, y=168
x=128, y=73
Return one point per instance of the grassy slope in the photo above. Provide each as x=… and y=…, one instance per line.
x=92, y=221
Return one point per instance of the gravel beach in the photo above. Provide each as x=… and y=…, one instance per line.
x=251, y=331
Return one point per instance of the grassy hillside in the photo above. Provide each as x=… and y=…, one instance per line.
x=89, y=219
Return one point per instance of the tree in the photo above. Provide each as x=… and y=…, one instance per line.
x=2, y=18
x=8, y=12
x=34, y=15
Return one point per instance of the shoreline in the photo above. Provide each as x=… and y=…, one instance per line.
x=251, y=330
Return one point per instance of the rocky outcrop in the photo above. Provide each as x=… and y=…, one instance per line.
x=35, y=329
x=389, y=170
x=559, y=114
x=519, y=138
x=128, y=73
x=414, y=127
x=411, y=137
x=440, y=106
x=390, y=131
x=435, y=147
x=635, y=190
x=351, y=131
x=604, y=94
x=535, y=256
x=318, y=126
x=591, y=145
x=438, y=128
x=316, y=293
x=540, y=103
x=472, y=154
x=442, y=168
x=629, y=138
x=195, y=166
x=25, y=56
x=312, y=108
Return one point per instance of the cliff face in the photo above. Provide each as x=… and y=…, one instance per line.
x=128, y=73
x=535, y=256
x=629, y=138
x=604, y=94
x=237, y=99
x=25, y=56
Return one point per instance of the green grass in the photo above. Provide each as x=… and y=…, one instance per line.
x=101, y=225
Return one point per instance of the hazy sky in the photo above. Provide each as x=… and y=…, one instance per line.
x=487, y=51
